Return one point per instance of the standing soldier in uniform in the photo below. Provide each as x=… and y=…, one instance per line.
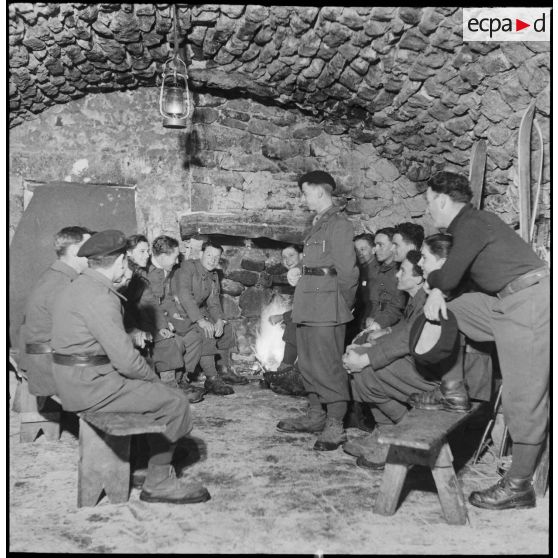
x=97, y=368
x=322, y=305
x=511, y=307
x=35, y=333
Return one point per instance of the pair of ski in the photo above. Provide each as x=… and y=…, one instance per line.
x=527, y=215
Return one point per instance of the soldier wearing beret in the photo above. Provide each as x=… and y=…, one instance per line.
x=97, y=368
x=323, y=299
x=35, y=332
x=511, y=308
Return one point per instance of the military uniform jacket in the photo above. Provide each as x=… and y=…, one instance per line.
x=327, y=299
x=368, y=275
x=198, y=291
x=37, y=324
x=87, y=320
x=155, y=304
x=387, y=301
x=395, y=345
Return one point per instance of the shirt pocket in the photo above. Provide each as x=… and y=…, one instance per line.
x=314, y=252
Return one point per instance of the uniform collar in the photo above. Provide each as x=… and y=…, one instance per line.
x=201, y=270
x=326, y=212
x=105, y=281
x=65, y=269
x=386, y=267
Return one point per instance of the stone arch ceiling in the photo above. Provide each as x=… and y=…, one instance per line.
x=399, y=77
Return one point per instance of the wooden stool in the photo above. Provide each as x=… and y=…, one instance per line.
x=420, y=439
x=104, y=454
x=36, y=414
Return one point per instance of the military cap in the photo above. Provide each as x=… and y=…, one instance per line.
x=433, y=342
x=317, y=177
x=102, y=244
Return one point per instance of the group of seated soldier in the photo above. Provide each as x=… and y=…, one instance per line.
x=110, y=327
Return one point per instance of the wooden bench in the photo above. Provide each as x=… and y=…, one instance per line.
x=36, y=414
x=420, y=439
x=104, y=454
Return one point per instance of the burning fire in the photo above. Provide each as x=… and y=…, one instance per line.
x=269, y=343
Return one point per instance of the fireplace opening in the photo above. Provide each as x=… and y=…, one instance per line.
x=254, y=286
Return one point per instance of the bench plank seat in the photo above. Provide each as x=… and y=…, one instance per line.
x=123, y=424
x=423, y=430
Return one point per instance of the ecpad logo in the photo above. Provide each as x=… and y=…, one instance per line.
x=506, y=24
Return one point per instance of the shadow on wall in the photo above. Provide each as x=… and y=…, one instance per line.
x=190, y=145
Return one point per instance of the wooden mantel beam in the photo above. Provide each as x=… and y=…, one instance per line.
x=284, y=226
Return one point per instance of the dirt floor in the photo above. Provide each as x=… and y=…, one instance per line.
x=270, y=493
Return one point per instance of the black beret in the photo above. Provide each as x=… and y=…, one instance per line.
x=317, y=177
x=433, y=342
x=102, y=244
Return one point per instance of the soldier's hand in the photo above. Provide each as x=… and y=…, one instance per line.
x=166, y=333
x=435, y=305
x=276, y=319
x=293, y=276
x=139, y=338
x=355, y=361
x=371, y=325
x=207, y=327
x=219, y=328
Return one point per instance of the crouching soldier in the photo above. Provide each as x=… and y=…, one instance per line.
x=97, y=368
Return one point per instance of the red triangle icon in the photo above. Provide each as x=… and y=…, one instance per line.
x=519, y=25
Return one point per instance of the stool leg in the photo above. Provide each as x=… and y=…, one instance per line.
x=449, y=490
x=392, y=482
x=104, y=464
x=32, y=419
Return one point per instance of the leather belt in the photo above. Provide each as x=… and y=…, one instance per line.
x=80, y=360
x=37, y=348
x=318, y=270
x=527, y=280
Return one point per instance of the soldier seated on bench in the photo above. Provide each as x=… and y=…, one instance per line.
x=97, y=368
x=35, y=349
x=384, y=373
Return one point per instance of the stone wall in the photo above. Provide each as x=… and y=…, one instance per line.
x=396, y=83
x=237, y=155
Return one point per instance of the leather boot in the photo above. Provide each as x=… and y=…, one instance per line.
x=374, y=458
x=450, y=396
x=507, y=493
x=359, y=416
x=194, y=394
x=289, y=383
x=332, y=436
x=313, y=421
x=359, y=446
x=215, y=385
x=161, y=485
x=230, y=377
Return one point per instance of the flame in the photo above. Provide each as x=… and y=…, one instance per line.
x=269, y=345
